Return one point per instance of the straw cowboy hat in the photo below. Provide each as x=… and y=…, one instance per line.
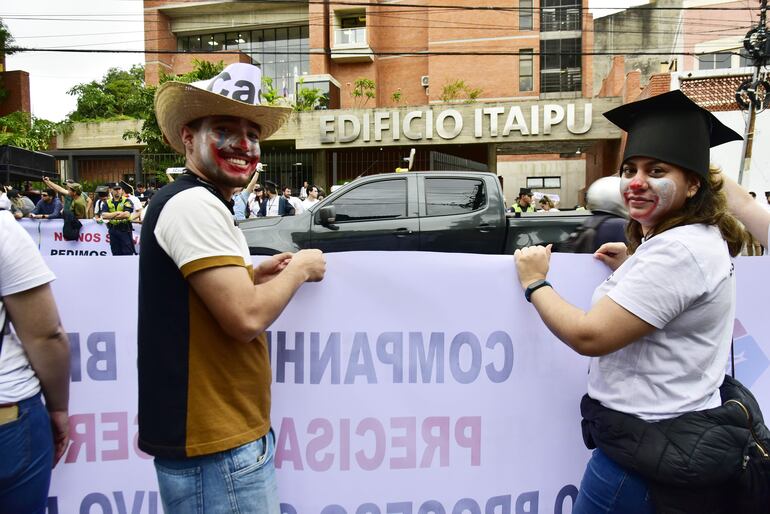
x=234, y=92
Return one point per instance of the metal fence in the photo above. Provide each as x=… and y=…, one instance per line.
x=283, y=167
x=155, y=165
x=445, y=162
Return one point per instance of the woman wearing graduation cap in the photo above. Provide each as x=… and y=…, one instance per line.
x=659, y=328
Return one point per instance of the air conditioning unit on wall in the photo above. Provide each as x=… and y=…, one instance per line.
x=424, y=82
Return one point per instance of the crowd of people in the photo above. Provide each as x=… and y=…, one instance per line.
x=255, y=200
x=55, y=200
x=658, y=330
x=120, y=207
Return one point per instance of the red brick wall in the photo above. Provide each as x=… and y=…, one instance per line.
x=16, y=83
x=603, y=159
x=157, y=37
x=615, y=81
x=397, y=29
x=588, y=47
x=658, y=84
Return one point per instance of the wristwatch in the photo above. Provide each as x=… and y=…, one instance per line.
x=534, y=286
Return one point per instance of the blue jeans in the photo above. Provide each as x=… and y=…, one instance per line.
x=26, y=459
x=609, y=489
x=240, y=480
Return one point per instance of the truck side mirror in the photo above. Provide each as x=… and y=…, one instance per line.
x=327, y=215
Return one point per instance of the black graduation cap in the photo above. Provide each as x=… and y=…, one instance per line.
x=127, y=187
x=671, y=128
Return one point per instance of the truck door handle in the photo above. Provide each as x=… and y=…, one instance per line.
x=484, y=227
x=401, y=232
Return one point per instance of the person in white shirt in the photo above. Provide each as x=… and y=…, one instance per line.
x=304, y=191
x=659, y=328
x=295, y=202
x=34, y=364
x=312, y=197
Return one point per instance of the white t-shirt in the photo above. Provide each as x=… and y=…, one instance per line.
x=682, y=283
x=307, y=202
x=272, y=206
x=22, y=269
x=197, y=231
x=297, y=204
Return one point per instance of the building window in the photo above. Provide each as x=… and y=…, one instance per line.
x=525, y=14
x=715, y=61
x=560, y=15
x=745, y=60
x=351, y=30
x=544, y=182
x=525, y=69
x=560, y=65
x=282, y=52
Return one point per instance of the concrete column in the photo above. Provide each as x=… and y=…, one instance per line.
x=138, y=168
x=319, y=170
x=492, y=157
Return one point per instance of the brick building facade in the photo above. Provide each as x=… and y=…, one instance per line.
x=416, y=56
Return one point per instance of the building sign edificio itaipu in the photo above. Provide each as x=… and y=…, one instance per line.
x=459, y=124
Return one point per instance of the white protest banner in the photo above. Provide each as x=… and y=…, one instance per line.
x=403, y=383
x=94, y=240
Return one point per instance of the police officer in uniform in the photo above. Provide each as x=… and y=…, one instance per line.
x=524, y=202
x=116, y=210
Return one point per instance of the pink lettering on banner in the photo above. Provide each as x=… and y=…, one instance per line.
x=435, y=433
x=395, y=443
x=110, y=435
x=374, y=426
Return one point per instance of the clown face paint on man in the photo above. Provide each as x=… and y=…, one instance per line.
x=224, y=150
x=654, y=190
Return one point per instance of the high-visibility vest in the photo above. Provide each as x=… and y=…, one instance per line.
x=117, y=208
x=517, y=208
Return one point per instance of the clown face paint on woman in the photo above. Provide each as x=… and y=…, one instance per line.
x=222, y=149
x=654, y=190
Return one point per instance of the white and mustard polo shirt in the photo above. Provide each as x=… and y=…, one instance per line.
x=200, y=391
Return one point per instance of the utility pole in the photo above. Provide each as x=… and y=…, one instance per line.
x=753, y=94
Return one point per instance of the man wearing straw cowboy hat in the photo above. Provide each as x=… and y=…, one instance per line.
x=204, y=371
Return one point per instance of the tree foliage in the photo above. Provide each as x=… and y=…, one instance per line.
x=25, y=131
x=308, y=98
x=6, y=48
x=363, y=91
x=117, y=96
x=6, y=39
x=459, y=90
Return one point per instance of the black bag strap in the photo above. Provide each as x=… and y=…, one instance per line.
x=4, y=328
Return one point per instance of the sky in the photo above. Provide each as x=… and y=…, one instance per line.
x=97, y=24
x=108, y=24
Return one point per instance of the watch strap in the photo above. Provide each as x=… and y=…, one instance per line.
x=534, y=286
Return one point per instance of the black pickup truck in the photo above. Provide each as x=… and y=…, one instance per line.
x=454, y=211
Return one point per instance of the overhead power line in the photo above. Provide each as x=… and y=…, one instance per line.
x=407, y=8
x=419, y=53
